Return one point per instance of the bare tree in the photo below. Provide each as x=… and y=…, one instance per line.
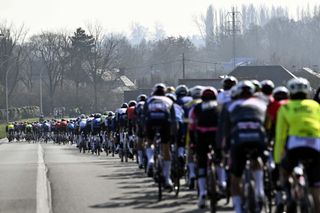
x=49, y=50
x=103, y=58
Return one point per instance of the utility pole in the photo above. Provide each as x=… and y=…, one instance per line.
x=183, y=67
x=233, y=21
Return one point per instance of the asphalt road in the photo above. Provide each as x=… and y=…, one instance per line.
x=52, y=178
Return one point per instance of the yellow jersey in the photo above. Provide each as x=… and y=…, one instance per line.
x=300, y=118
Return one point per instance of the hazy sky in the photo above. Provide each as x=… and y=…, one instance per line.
x=176, y=16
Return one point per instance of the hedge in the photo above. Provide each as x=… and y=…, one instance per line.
x=20, y=113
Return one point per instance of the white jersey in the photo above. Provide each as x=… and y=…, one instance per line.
x=224, y=97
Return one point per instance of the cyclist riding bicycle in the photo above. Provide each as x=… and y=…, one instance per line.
x=244, y=125
x=121, y=119
x=203, y=123
x=160, y=115
x=298, y=136
x=141, y=99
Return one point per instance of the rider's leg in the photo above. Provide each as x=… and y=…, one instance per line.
x=236, y=193
x=165, y=148
x=257, y=167
x=140, y=151
x=238, y=160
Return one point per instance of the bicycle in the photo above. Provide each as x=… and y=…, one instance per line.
x=250, y=203
x=123, y=152
x=300, y=197
x=158, y=163
x=211, y=181
x=95, y=149
x=176, y=170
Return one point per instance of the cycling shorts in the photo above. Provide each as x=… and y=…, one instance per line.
x=164, y=132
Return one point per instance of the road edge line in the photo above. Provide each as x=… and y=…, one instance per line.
x=43, y=185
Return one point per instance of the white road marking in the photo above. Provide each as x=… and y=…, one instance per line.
x=43, y=185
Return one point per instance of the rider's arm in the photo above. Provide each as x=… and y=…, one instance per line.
x=281, y=134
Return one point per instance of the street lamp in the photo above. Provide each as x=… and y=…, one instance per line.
x=41, y=112
x=2, y=36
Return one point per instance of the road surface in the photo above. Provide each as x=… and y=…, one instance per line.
x=57, y=178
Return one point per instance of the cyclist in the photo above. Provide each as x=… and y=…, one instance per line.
x=178, y=140
x=109, y=128
x=203, y=122
x=225, y=95
x=10, y=131
x=29, y=131
x=83, y=130
x=244, y=125
x=96, y=127
x=280, y=96
x=121, y=119
x=159, y=113
x=132, y=118
x=195, y=93
x=224, y=98
x=298, y=136
x=141, y=99
x=183, y=99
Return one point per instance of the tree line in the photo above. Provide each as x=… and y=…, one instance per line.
x=81, y=69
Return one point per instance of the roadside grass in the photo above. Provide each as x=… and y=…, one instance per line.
x=2, y=130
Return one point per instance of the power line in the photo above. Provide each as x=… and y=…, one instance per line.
x=203, y=62
x=151, y=65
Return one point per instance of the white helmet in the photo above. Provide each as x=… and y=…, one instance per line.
x=245, y=86
x=195, y=92
x=299, y=85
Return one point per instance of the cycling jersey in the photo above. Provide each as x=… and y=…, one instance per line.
x=298, y=119
x=224, y=97
x=10, y=127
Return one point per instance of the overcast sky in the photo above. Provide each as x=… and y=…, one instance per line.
x=176, y=16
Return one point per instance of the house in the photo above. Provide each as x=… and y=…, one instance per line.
x=313, y=77
x=214, y=82
x=276, y=73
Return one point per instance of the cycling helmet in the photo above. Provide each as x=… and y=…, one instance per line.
x=245, y=89
x=132, y=103
x=82, y=116
x=106, y=113
x=110, y=114
x=257, y=85
x=195, y=92
x=299, y=85
x=171, y=89
x=267, y=87
x=142, y=97
x=124, y=105
x=172, y=96
x=280, y=93
x=209, y=94
x=234, y=92
x=182, y=90
x=159, y=89
x=97, y=115
x=228, y=82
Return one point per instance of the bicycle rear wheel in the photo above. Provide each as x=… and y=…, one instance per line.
x=211, y=188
